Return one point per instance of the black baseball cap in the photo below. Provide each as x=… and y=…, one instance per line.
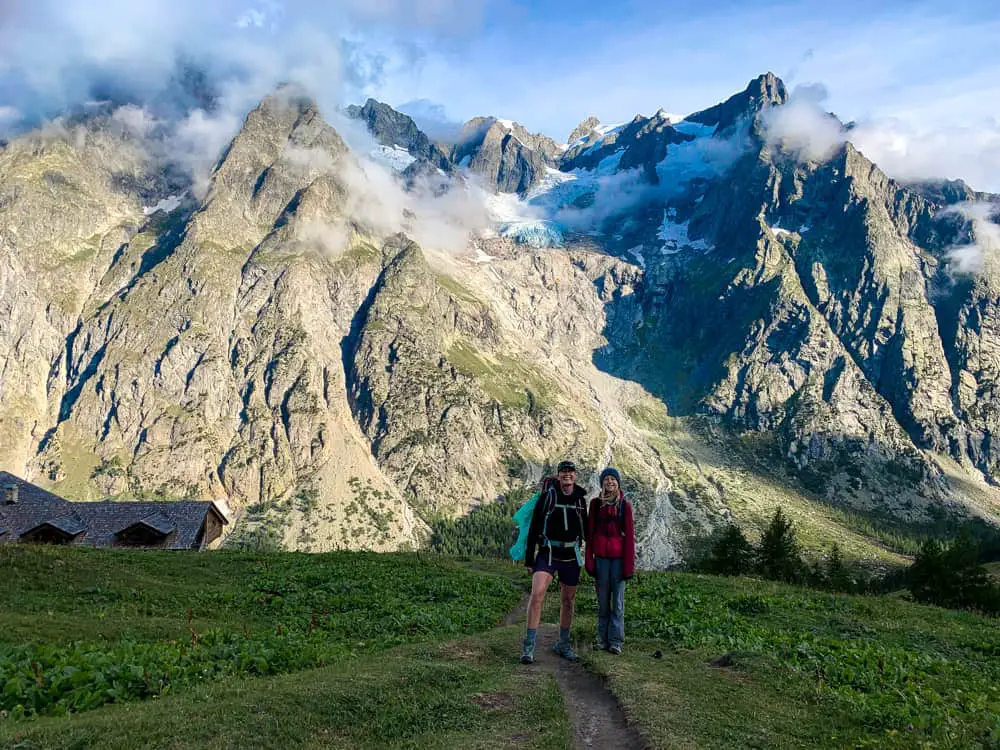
x=566, y=466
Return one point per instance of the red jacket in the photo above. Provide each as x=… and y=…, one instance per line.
x=605, y=538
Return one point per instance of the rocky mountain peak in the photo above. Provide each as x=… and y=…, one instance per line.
x=643, y=143
x=266, y=344
x=584, y=129
x=498, y=128
x=504, y=154
x=949, y=192
x=766, y=90
x=392, y=128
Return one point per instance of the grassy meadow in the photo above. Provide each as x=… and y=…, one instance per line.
x=228, y=649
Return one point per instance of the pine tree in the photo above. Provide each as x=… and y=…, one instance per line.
x=837, y=576
x=779, y=557
x=952, y=576
x=730, y=554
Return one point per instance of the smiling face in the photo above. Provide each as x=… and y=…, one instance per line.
x=610, y=485
x=567, y=478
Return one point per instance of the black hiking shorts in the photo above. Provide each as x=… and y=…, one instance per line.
x=568, y=571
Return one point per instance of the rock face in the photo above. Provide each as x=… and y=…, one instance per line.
x=207, y=361
x=436, y=388
x=817, y=309
x=392, y=128
x=583, y=130
x=790, y=331
x=504, y=154
x=642, y=144
x=764, y=91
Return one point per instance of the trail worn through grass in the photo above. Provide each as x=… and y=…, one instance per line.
x=596, y=717
x=598, y=721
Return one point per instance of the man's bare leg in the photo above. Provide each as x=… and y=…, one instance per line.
x=563, y=646
x=566, y=606
x=539, y=585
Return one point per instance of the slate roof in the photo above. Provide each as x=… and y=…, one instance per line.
x=34, y=507
x=157, y=522
x=30, y=493
x=69, y=523
x=96, y=524
x=181, y=520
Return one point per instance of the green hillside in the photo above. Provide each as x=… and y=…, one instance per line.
x=227, y=650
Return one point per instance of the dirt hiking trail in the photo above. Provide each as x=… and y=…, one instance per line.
x=597, y=719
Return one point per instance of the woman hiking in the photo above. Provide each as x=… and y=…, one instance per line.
x=610, y=558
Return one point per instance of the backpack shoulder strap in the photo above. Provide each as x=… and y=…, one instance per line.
x=550, y=499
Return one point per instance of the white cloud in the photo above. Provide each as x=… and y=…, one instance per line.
x=330, y=238
x=377, y=200
x=971, y=153
x=196, y=142
x=433, y=119
x=58, y=54
x=903, y=151
x=135, y=120
x=252, y=18
x=972, y=257
x=803, y=127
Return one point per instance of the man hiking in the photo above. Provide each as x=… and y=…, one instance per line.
x=558, y=528
x=610, y=558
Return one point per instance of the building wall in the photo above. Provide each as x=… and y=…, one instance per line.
x=211, y=532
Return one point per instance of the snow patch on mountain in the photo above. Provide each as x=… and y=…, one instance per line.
x=168, y=204
x=675, y=235
x=670, y=116
x=584, y=200
x=395, y=158
x=702, y=158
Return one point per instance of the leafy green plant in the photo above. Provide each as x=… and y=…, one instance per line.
x=905, y=675
x=279, y=613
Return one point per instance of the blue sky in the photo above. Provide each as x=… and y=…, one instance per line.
x=925, y=76
x=548, y=64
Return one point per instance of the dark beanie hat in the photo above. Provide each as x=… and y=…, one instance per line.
x=609, y=472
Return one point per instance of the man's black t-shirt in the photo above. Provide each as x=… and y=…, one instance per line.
x=566, y=517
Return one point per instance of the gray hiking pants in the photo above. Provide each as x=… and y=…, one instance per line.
x=610, y=601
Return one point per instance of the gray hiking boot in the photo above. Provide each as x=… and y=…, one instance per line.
x=563, y=649
x=616, y=650
x=528, y=654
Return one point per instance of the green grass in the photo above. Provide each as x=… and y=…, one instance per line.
x=466, y=693
x=808, y=669
x=682, y=702
x=507, y=380
x=81, y=628
x=373, y=651
x=458, y=291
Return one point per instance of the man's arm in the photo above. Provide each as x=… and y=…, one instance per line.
x=535, y=529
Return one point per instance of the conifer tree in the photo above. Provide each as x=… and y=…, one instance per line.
x=779, y=557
